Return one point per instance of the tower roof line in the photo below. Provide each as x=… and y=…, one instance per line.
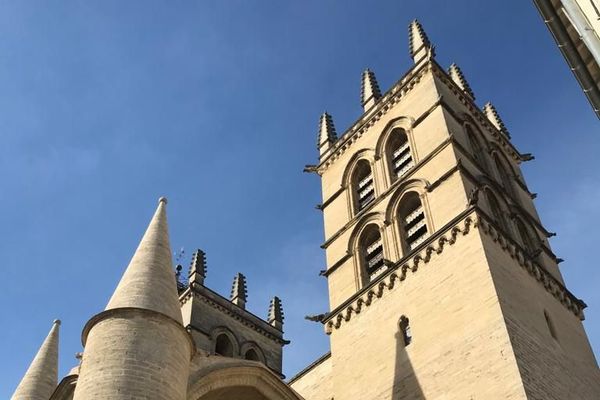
x=41, y=377
x=149, y=280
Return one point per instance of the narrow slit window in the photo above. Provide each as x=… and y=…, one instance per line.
x=364, y=185
x=399, y=154
x=414, y=224
x=404, y=326
x=550, y=325
x=372, y=250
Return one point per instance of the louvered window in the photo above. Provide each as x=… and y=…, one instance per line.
x=496, y=210
x=366, y=192
x=478, y=152
x=401, y=159
x=364, y=185
x=527, y=239
x=372, y=250
x=413, y=221
x=505, y=177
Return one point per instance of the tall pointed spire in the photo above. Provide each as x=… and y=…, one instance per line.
x=369, y=90
x=149, y=281
x=327, y=134
x=41, y=377
x=197, y=272
x=460, y=80
x=238, y=290
x=419, y=45
x=491, y=113
x=275, y=316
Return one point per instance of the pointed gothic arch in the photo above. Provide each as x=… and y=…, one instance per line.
x=359, y=179
x=506, y=174
x=497, y=211
x=224, y=342
x=396, y=147
x=478, y=144
x=251, y=351
x=365, y=235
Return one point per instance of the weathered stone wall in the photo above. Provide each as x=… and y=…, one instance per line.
x=134, y=356
x=460, y=347
x=316, y=383
x=551, y=369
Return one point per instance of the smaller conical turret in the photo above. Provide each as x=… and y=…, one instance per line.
x=369, y=90
x=458, y=78
x=492, y=115
x=419, y=45
x=238, y=290
x=41, y=377
x=197, y=272
x=275, y=316
x=327, y=134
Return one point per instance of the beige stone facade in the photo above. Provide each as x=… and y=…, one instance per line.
x=442, y=283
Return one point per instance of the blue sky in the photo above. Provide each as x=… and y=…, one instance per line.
x=105, y=106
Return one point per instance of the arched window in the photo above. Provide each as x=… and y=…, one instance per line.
x=223, y=346
x=529, y=243
x=404, y=326
x=371, y=251
x=398, y=154
x=505, y=177
x=550, y=325
x=252, y=355
x=362, y=182
x=412, y=222
x=476, y=148
x=495, y=210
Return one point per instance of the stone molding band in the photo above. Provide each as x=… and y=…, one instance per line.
x=188, y=295
x=473, y=217
x=125, y=311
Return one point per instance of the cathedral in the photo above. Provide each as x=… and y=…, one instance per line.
x=442, y=283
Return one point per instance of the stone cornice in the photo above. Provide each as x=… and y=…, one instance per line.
x=550, y=283
x=471, y=218
x=404, y=85
x=224, y=306
x=476, y=112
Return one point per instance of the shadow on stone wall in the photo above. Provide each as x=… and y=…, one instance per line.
x=406, y=384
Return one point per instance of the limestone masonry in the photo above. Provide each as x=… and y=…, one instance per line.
x=442, y=283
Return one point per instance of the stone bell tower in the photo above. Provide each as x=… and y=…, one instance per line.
x=442, y=283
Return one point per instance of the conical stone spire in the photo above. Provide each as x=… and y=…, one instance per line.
x=149, y=282
x=369, y=90
x=491, y=114
x=458, y=78
x=275, y=316
x=419, y=44
x=41, y=378
x=327, y=134
x=238, y=290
